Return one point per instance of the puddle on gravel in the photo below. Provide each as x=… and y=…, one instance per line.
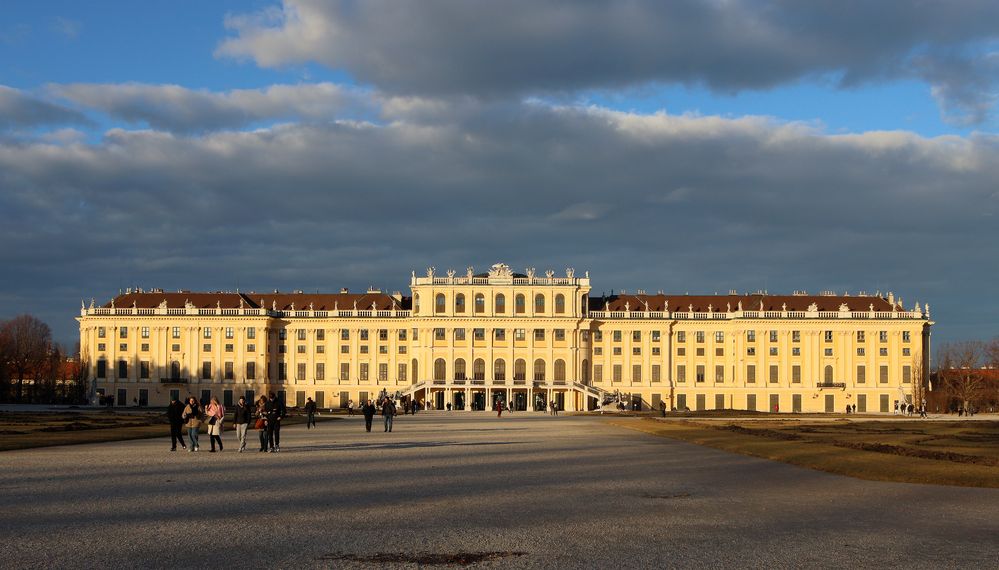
x=422, y=558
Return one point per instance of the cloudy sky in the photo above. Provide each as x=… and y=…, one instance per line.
x=689, y=146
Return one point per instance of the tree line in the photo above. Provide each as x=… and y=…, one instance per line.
x=34, y=369
x=967, y=374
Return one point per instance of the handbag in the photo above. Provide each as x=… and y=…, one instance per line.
x=259, y=424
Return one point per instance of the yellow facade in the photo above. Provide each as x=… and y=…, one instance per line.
x=526, y=339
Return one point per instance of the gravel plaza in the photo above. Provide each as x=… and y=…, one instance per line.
x=525, y=490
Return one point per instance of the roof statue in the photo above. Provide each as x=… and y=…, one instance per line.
x=336, y=305
x=188, y=304
x=646, y=305
x=355, y=304
x=761, y=304
x=549, y=274
x=587, y=274
x=690, y=308
x=872, y=307
x=413, y=274
x=430, y=271
x=843, y=307
x=292, y=306
x=469, y=271
x=711, y=308
x=241, y=303
x=311, y=306
x=92, y=302
x=135, y=305
x=569, y=272
x=627, y=306
x=739, y=304
x=374, y=305
x=83, y=306
x=813, y=308
x=500, y=270
x=530, y=272
x=218, y=304
x=273, y=305
x=728, y=307
x=783, y=307
x=450, y=273
x=112, y=303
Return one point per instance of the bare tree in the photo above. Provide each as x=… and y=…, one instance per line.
x=961, y=372
x=28, y=343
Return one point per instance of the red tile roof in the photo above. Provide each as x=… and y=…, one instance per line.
x=753, y=302
x=282, y=301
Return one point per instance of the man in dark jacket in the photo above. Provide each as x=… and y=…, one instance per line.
x=175, y=413
x=368, y=409
x=241, y=419
x=270, y=421
x=280, y=411
x=388, y=412
x=310, y=413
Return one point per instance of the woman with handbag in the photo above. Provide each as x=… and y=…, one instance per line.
x=192, y=417
x=216, y=417
x=261, y=424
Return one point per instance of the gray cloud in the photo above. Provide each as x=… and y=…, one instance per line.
x=176, y=108
x=496, y=49
x=23, y=110
x=681, y=203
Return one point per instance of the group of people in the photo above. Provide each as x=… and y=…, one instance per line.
x=265, y=415
x=902, y=409
x=388, y=411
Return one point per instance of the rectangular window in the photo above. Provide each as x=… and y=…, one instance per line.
x=655, y=351
x=681, y=351
x=751, y=374
x=636, y=350
x=616, y=336
x=145, y=332
x=363, y=334
x=636, y=372
x=416, y=334
x=364, y=349
x=345, y=334
x=796, y=374
x=207, y=332
x=699, y=336
x=829, y=336
x=383, y=372
x=402, y=334
x=861, y=374
x=320, y=334
x=282, y=348
x=300, y=333
x=795, y=351
x=122, y=369
x=700, y=373
x=251, y=333
x=499, y=334
x=364, y=372
x=228, y=373
x=519, y=334
x=906, y=374
x=382, y=334
x=320, y=349
x=883, y=336
x=750, y=336
x=617, y=351
x=101, y=346
x=884, y=403
x=906, y=352
x=656, y=336
x=176, y=332
x=401, y=372
x=884, y=374
x=795, y=336
x=300, y=371
x=773, y=336
x=860, y=352
x=598, y=336
x=124, y=347
x=479, y=334
x=102, y=332
x=681, y=373
x=773, y=373
x=598, y=351
x=539, y=334
x=860, y=336
x=617, y=373
x=173, y=347
x=719, y=336
x=229, y=333
x=751, y=402
x=681, y=336
x=144, y=369
x=883, y=351
x=828, y=352
x=751, y=351
x=102, y=368
x=719, y=352
x=123, y=332
x=598, y=373
x=344, y=371
x=382, y=349
x=560, y=334
x=344, y=349
x=719, y=401
x=251, y=370
x=700, y=351
x=438, y=334
x=402, y=350
x=459, y=334
x=681, y=402
x=206, y=370
x=206, y=348
x=636, y=336
x=773, y=351
x=145, y=348
x=282, y=371
x=656, y=373
x=719, y=373
x=584, y=336
x=906, y=336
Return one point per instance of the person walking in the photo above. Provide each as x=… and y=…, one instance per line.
x=216, y=418
x=388, y=412
x=261, y=423
x=310, y=413
x=279, y=411
x=241, y=421
x=175, y=414
x=350, y=407
x=192, y=418
x=368, y=410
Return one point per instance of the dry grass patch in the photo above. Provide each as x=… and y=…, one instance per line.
x=944, y=453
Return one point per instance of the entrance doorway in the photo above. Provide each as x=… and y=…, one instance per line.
x=478, y=400
x=540, y=402
x=439, y=400
x=520, y=401
x=560, y=401
x=499, y=396
x=459, y=400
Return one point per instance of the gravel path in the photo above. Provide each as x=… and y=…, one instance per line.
x=523, y=491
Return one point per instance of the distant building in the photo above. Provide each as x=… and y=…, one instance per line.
x=525, y=339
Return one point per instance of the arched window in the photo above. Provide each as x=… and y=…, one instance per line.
x=539, y=370
x=520, y=370
x=480, y=303
x=560, y=303
x=499, y=370
x=586, y=371
x=459, y=369
x=416, y=375
x=500, y=303
x=416, y=303
x=440, y=369
x=459, y=303
x=829, y=374
x=175, y=370
x=560, y=370
x=539, y=303
x=479, y=369
x=519, y=304
x=440, y=303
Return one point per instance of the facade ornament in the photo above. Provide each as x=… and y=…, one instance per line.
x=92, y=302
x=627, y=306
x=218, y=304
x=570, y=272
x=530, y=273
x=112, y=303
x=310, y=306
x=843, y=308
x=374, y=305
x=728, y=307
x=549, y=274
x=739, y=304
x=690, y=308
x=500, y=270
x=587, y=274
x=469, y=271
x=355, y=304
x=783, y=307
x=336, y=305
x=711, y=308
x=646, y=306
x=450, y=273
x=813, y=308
x=430, y=272
x=927, y=310
x=240, y=302
x=413, y=274
x=273, y=305
x=872, y=307
x=293, y=306
x=761, y=304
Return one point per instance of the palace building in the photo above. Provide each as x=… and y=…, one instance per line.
x=525, y=339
